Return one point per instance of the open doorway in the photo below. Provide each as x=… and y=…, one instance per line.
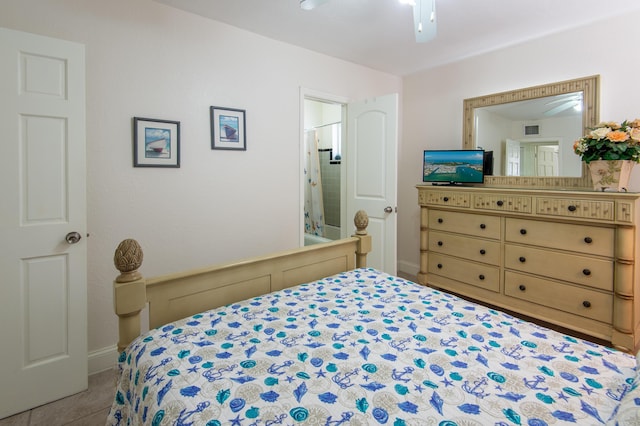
x=322, y=170
x=532, y=158
x=368, y=169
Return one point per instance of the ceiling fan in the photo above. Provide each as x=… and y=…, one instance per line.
x=424, y=16
x=564, y=102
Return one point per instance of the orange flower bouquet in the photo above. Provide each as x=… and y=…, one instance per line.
x=610, y=141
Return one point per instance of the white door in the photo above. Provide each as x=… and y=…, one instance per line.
x=547, y=160
x=371, y=156
x=512, y=158
x=43, y=290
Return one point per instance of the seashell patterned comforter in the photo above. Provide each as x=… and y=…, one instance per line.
x=367, y=348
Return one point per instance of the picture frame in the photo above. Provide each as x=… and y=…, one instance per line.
x=156, y=143
x=228, y=128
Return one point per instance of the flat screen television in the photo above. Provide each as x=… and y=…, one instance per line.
x=453, y=167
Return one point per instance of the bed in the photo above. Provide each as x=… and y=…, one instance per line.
x=293, y=341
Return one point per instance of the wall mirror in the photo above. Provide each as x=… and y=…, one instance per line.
x=531, y=132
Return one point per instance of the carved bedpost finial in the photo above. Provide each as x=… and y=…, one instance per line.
x=361, y=220
x=127, y=259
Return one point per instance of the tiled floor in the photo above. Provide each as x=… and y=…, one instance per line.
x=88, y=408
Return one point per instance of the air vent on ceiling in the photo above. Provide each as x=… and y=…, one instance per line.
x=532, y=130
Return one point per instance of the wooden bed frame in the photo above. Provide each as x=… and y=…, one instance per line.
x=175, y=296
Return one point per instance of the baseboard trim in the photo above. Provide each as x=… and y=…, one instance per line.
x=409, y=268
x=103, y=359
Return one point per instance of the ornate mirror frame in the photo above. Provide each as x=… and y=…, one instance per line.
x=590, y=88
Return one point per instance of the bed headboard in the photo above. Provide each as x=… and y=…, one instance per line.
x=175, y=296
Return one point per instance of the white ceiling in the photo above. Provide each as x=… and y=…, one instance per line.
x=379, y=33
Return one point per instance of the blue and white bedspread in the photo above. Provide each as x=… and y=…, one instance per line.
x=366, y=348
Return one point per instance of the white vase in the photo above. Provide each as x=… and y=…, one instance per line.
x=611, y=175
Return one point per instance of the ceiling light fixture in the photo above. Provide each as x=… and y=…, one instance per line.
x=424, y=20
x=424, y=17
x=311, y=4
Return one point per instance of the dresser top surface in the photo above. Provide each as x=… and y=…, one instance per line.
x=575, y=192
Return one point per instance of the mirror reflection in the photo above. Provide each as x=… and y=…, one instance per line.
x=531, y=131
x=533, y=137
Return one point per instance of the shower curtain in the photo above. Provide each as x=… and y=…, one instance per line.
x=313, y=205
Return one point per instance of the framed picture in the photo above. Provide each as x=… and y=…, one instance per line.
x=228, y=129
x=156, y=143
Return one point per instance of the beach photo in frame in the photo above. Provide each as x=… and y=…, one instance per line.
x=228, y=128
x=156, y=143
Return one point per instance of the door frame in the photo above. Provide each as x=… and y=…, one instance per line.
x=539, y=141
x=315, y=95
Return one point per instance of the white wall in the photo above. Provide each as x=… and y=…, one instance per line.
x=148, y=60
x=490, y=135
x=432, y=99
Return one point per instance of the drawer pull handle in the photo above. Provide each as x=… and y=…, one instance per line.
x=440, y=243
x=523, y=232
x=588, y=240
x=522, y=259
x=445, y=199
x=439, y=265
x=483, y=252
x=572, y=208
x=481, y=277
x=586, y=304
x=586, y=272
x=522, y=287
x=500, y=203
x=440, y=220
x=483, y=226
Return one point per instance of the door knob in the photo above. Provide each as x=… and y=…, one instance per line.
x=73, y=237
x=388, y=209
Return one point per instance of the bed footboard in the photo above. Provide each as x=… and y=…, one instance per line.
x=175, y=296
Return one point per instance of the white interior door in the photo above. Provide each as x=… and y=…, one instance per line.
x=371, y=156
x=512, y=158
x=43, y=294
x=547, y=160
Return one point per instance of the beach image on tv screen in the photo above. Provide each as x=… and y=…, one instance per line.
x=453, y=166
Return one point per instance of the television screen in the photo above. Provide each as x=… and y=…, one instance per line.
x=453, y=166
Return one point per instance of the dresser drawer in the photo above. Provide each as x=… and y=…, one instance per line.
x=501, y=202
x=479, y=250
x=584, y=209
x=576, y=300
x=589, y=271
x=483, y=276
x=445, y=198
x=465, y=223
x=580, y=238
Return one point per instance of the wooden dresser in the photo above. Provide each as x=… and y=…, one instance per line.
x=564, y=257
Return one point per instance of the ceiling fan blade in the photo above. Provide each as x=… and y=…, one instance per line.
x=424, y=20
x=565, y=99
x=561, y=107
x=311, y=4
